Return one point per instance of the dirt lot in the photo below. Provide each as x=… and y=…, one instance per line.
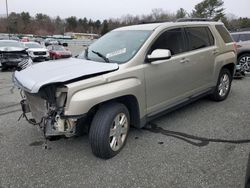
x=148, y=160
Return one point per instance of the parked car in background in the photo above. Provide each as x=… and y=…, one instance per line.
x=50, y=41
x=13, y=55
x=25, y=39
x=243, y=50
x=36, y=51
x=58, y=52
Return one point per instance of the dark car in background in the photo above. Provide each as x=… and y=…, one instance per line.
x=243, y=49
x=50, y=41
x=58, y=52
x=13, y=55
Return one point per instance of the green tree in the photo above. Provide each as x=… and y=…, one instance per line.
x=244, y=22
x=98, y=25
x=105, y=27
x=181, y=13
x=212, y=9
x=14, y=21
x=71, y=23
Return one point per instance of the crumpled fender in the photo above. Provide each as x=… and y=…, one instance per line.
x=82, y=101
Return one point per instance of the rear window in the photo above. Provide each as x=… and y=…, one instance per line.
x=199, y=37
x=224, y=33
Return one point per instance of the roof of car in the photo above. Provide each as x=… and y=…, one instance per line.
x=8, y=41
x=153, y=26
x=240, y=32
x=30, y=42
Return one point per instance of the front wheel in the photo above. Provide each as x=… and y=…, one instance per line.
x=109, y=130
x=223, y=86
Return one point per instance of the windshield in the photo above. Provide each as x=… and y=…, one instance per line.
x=116, y=46
x=33, y=45
x=11, y=44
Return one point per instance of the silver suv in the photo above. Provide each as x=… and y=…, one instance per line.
x=243, y=49
x=126, y=78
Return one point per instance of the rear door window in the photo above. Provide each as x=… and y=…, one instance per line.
x=199, y=37
x=224, y=33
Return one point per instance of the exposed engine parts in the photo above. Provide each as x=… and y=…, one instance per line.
x=47, y=111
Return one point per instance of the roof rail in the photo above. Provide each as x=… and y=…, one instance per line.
x=157, y=21
x=194, y=20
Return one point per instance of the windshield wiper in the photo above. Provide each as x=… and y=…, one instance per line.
x=101, y=55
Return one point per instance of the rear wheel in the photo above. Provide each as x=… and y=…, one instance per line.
x=109, y=130
x=223, y=86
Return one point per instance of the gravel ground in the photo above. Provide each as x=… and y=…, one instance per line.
x=148, y=160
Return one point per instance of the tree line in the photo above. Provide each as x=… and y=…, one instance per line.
x=42, y=24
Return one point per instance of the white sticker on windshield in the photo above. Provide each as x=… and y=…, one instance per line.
x=115, y=53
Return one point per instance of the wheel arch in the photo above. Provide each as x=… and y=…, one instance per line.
x=242, y=53
x=230, y=67
x=130, y=101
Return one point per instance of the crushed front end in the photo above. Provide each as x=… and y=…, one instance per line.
x=47, y=110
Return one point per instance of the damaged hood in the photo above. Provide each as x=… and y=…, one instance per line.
x=11, y=49
x=34, y=77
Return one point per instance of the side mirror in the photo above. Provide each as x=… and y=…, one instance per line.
x=159, y=54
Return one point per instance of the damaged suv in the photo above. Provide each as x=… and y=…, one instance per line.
x=126, y=78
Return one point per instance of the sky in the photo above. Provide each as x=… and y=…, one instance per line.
x=105, y=9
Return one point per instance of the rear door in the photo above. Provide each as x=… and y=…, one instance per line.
x=201, y=53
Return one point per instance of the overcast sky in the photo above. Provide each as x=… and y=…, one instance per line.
x=104, y=9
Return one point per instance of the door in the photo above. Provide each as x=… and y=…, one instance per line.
x=168, y=81
x=201, y=53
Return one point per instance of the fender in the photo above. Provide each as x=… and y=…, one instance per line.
x=82, y=101
x=222, y=60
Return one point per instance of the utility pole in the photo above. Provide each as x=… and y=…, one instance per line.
x=7, y=12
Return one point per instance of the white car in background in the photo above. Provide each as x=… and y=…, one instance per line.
x=36, y=51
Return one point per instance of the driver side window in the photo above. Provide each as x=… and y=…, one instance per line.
x=172, y=40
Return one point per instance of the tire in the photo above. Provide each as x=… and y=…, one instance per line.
x=245, y=59
x=106, y=127
x=223, y=86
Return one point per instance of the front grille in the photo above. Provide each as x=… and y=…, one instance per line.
x=13, y=55
x=39, y=53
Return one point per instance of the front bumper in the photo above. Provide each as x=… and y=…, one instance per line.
x=11, y=63
x=51, y=121
x=38, y=58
